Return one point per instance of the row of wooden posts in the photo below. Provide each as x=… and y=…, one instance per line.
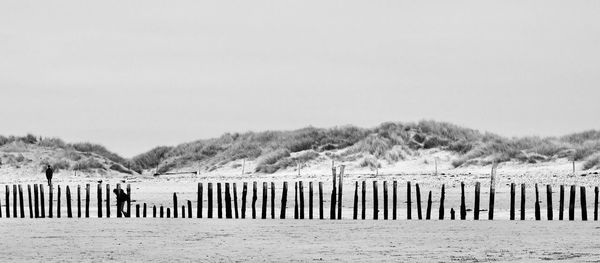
x=37, y=210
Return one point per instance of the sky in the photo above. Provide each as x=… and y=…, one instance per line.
x=132, y=75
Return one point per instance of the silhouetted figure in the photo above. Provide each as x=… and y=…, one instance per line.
x=49, y=173
x=122, y=197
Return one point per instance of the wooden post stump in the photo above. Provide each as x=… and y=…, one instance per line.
x=144, y=211
x=340, y=192
x=78, y=201
x=29, y=200
x=87, y=200
x=69, y=213
x=99, y=199
x=355, y=212
x=561, y=203
x=583, y=200
x=295, y=200
x=572, y=204
x=273, y=200
x=523, y=201
x=385, y=200
x=118, y=201
x=235, y=201
x=209, y=212
x=283, y=200
x=418, y=192
x=363, y=201
x=58, y=202
x=244, y=193
x=443, y=196
x=35, y=202
x=137, y=210
x=189, y=206
x=254, y=198
x=264, y=201
x=42, y=202
x=228, y=211
x=22, y=204
x=50, y=201
x=301, y=202
x=310, y=200
x=463, y=205
x=375, y=201
x=219, y=202
x=128, y=200
x=537, y=204
x=595, y=202
x=107, y=200
x=512, y=201
x=549, y=202
x=199, y=201
x=408, y=202
x=321, y=212
x=477, y=201
x=394, y=200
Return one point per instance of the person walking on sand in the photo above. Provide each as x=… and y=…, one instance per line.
x=122, y=197
x=49, y=173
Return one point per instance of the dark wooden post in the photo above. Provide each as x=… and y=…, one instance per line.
x=29, y=199
x=363, y=201
x=69, y=213
x=418, y=192
x=15, y=214
x=154, y=211
x=595, y=202
x=477, y=201
x=583, y=200
x=264, y=201
x=537, y=204
x=452, y=214
x=512, y=201
x=219, y=202
x=254, y=198
x=35, y=202
x=21, y=204
x=118, y=201
x=283, y=200
x=137, y=210
x=58, y=202
x=443, y=196
x=408, y=202
x=87, y=200
x=175, y=207
x=235, y=201
x=189, y=206
x=463, y=206
x=523, y=201
x=572, y=204
x=385, y=200
x=428, y=213
x=273, y=200
x=50, y=201
x=129, y=201
x=162, y=213
x=561, y=202
x=321, y=212
x=355, y=214
x=295, y=200
x=340, y=192
x=183, y=211
x=549, y=201
x=144, y=211
x=492, y=197
x=394, y=200
x=169, y=212
x=78, y=201
x=99, y=198
x=42, y=202
x=210, y=200
x=107, y=200
x=228, y=212
x=35, y=187
x=301, y=200
x=375, y=202
x=199, y=201
x=244, y=193
x=310, y=200
x=333, y=195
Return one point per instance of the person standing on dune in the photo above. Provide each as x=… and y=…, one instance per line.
x=49, y=173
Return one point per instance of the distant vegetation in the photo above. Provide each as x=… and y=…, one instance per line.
x=275, y=150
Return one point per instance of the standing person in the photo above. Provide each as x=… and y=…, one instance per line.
x=122, y=197
x=49, y=173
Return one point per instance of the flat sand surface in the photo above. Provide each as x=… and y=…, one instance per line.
x=204, y=240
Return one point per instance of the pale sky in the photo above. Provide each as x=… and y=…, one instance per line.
x=136, y=74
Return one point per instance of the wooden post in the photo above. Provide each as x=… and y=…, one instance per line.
x=441, y=214
x=99, y=198
x=199, y=201
x=58, y=202
x=321, y=212
x=228, y=212
x=512, y=201
x=175, y=214
x=219, y=202
x=463, y=208
x=523, y=201
x=118, y=201
x=595, y=202
x=333, y=195
x=29, y=199
x=375, y=202
x=42, y=202
x=144, y=211
x=355, y=214
x=273, y=200
x=169, y=212
x=183, y=211
x=154, y=211
x=210, y=200
x=537, y=204
x=35, y=202
x=21, y=204
x=283, y=200
x=78, y=201
x=477, y=201
x=418, y=192
x=452, y=214
x=549, y=202
x=15, y=214
x=363, y=201
x=572, y=204
x=408, y=202
x=492, y=197
x=235, y=201
x=50, y=200
x=310, y=200
x=295, y=200
x=301, y=200
x=428, y=214
x=394, y=200
x=137, y=210
x=583, y=200
x=340, y=192
x=161, y=211
x=87, y=200
x=244, y=193
x=107, y=200
x=254, y=198
x=8, y=199
x=561, y=202
x=189, y=206
x=69, y=213
x=129, y=201
x=385, y=200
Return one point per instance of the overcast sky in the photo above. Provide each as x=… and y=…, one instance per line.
x=135, y=74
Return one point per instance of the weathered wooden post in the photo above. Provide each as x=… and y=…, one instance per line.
x=537, y=204
x=87, y=200
x=394, y=200
x=199, y=201
x=235, y=201
x=161, y=211
x=333, y=194
x=219, y=202
x=210, y=200
x=175, y=214
x=107, y=200
x=408, y=202
x=15, y=213
x=583, y=200
x=273, y=200
x=295, y=200
x=42, y=202
x=69, y=213
x=228, y=212
x=595, y=202
x=8, y=200
x=428, y=212
x=244, y=193
x=254, y=198
x=99, y=198
x=57, y=202
x=355, y=212
x=21, y=204
x=363, y=201
x=572, y=204
x=50, y=201
x=321, y=212
x=118, y=201
x=340, y=192
x=512, y=201
x=385, y=201
x=29, y=199
x=310, y=200
x=283, y=200
x=523, y=201
x=129, y=200
x=144, y=211
x=301, y=195
x=375, y=202
x=477, y=201
x=549, y=201
x=189, y=206
x=561, y=202
x=183, y=211
x=443, y=196
x=492, y=191
x=452, y=214
x=264, y=201
x=169, y=212
x=137, y=210
x=35, y=202
x=418, y=192
x=78, y=201
x=463, y=206
x=154, y=211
